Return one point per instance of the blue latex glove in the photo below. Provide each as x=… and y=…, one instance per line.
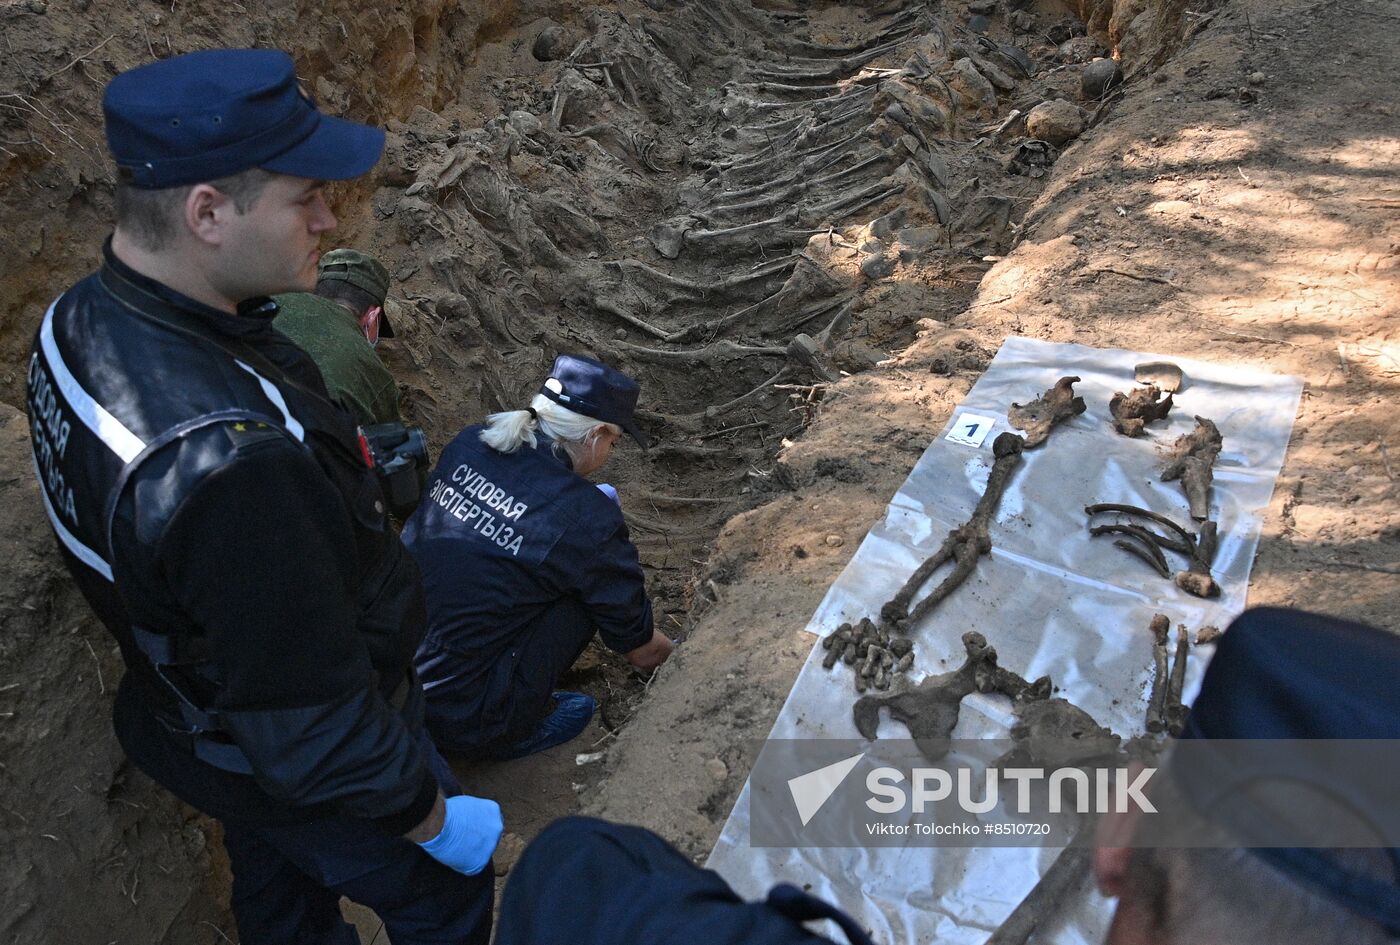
x=469, y=835
x=609, y=491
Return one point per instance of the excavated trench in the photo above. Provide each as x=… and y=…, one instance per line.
x=737, y=205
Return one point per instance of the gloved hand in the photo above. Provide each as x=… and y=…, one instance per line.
x=609, y=491
x=470, y=831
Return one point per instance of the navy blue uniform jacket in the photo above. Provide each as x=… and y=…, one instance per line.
x=499, y=538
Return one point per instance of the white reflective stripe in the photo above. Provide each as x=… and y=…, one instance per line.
x=84, y=554
x=293, y=426
x=95, y=417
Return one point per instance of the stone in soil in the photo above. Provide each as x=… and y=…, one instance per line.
x=551, y=43
x=1055, y=121
x=974, y=88
x=1099, y=78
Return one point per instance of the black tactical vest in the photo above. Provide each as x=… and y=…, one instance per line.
x=123, y=368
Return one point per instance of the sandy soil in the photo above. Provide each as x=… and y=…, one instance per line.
x=1235, y=202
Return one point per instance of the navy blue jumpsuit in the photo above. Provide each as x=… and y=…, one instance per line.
x=523, y=560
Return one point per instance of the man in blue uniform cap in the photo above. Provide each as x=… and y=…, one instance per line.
x=1281, y=675
x=215, y=510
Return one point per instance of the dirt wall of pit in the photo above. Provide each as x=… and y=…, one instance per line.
x=370, y=61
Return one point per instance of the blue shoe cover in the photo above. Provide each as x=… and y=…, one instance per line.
x=572, y=712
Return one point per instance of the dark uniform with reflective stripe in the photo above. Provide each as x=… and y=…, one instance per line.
x=216, y=512
x=523, y=560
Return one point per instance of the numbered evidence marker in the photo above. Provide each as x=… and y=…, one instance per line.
x=970, y=429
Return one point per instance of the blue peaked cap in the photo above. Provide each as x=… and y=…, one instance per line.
x=595, y=390
x=1286, y=674
x=217, y=112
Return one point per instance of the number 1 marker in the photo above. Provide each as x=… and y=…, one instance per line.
x=970, y=429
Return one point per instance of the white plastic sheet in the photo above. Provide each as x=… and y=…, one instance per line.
x=1049, y=598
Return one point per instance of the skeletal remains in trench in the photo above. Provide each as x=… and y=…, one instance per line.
x=1150, y=545
x=1054, y=406
x=801, y=136
x=1192, y=461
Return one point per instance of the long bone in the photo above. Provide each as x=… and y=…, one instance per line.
x=820, y=61
x=703, y=290
x=839, y=67
x=827, y=52
x=839, y=76
x=725, y=29
x=1174, y=711
x=749, y=312
x=1157, y=702
x=746, y=171
x=964, y=545
x=802, y=134
x=782, y=87
x=669, y=238
x=753, y=190
x=755, y=166
x=799, y=354
x=902, y=25
x=709, y=413
x=795, y=190
x=841, y=304
x=711, y=327
x=860, y=91
x=1049, y=893
x=812, y=142
x=783, y=126
x=672, y=237
x=850, y=203
x=709, y=353
x=607, y=307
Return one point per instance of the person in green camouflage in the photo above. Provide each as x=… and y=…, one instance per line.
x=339, y=325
